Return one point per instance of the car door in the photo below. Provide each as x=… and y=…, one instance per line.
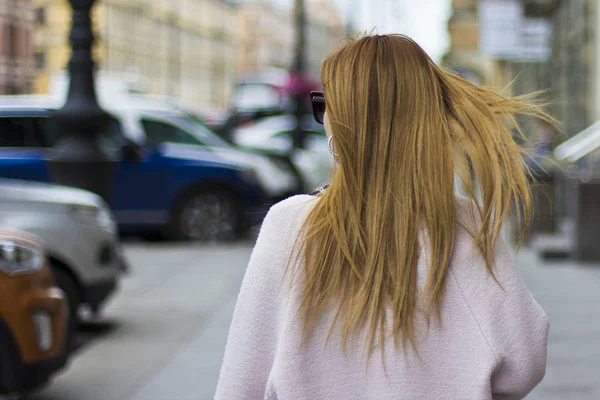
x=139, y=183
x=145, y=189
x=23, y=146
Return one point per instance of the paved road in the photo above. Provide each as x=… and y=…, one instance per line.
x=163, y=337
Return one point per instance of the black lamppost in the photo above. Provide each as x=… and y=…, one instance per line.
x=78, y=158
x=299, y=72
x=9, y=87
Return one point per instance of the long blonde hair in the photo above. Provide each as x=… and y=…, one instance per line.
x=402, y=127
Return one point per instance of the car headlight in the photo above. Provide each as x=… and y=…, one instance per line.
x=105, y=219
x=18, y=259
x=94, y=216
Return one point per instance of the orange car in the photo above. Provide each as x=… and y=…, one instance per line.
x=33, y=315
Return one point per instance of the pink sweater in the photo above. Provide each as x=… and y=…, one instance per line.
x=491, y=343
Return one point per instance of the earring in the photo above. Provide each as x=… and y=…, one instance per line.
x=330, y=146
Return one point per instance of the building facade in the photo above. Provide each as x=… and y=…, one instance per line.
x=464, y=56
x=266, y=36
x=326, y=31
x=567, y=77
x=571, y=75
x=183, y=48
x=17, y=62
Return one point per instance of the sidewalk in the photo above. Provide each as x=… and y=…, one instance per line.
x=193, y=373
x=569, y=292
x=163, y=313
x=172, y=317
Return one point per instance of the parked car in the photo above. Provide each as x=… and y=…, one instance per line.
x=176, y=178
x=33, y=315
x=209, y=204
x=275, y=134
x=79, y=234
x=283, y=159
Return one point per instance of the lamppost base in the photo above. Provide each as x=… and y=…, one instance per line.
x=94, y=176
x=80, y=164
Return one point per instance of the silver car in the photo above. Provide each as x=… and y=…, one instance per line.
x=79, y=233
x=314, y=162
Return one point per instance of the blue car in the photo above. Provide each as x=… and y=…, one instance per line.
x=176, y=177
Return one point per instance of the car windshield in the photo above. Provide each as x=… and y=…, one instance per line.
x=195, y=128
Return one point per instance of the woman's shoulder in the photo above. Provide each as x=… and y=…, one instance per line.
x=280, y=231
x=293, y=203
x=290, y=212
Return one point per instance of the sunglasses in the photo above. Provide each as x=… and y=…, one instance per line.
x=318, y=105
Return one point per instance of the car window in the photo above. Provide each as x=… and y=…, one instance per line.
x=112, y=139
x=39, y=131
x=193, y=126
x=46, y=130
x=18, y=132
x=200, y=132
x=160, y=132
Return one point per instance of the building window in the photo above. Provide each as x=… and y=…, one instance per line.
x=40, y=60
x=40, y=16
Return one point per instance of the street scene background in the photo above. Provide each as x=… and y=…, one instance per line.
x=144, y=177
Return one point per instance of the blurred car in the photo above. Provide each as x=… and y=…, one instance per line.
x=33, y=315
x=176, y=177
x=224, y=190
x=282, y=159
x=275, y=134
x=79, y=234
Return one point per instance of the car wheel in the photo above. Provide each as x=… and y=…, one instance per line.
x=207, y=215
x=8, y=365
x=73, y=294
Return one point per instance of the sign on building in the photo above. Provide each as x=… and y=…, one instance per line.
x=500, y=27
x=536, y=40
x=505, y=33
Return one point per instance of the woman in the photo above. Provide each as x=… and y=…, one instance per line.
x=386, y=285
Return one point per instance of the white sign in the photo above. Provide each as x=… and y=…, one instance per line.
x=500, y=27
x=536, y=40
x=505, y=32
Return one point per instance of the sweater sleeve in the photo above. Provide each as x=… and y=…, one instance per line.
x=254, y=331
x=512, y=323
x=518, y=332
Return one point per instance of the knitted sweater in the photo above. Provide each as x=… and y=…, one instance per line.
x=491, y=342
